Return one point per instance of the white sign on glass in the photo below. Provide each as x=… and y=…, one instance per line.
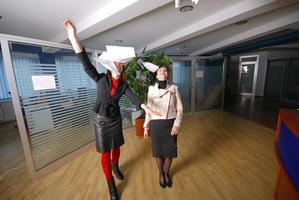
x=199, y=74
x=43, y=82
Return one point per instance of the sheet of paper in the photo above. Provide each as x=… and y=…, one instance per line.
x=150, y=66
x=107, y=61
x=43, y=82
x=120, y=54
x=199, y=74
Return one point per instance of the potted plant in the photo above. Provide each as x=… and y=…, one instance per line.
x=139, y=79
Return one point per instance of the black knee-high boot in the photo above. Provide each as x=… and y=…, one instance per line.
x=117, y=172
x=112, y=190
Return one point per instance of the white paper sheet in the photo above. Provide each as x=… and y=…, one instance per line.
x=120, y=54
x=150, y=66
x=43, y=82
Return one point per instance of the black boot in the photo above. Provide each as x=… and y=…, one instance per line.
x=112, y=190
x=117, y=172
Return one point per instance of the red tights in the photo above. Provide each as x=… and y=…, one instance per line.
x=106, y=162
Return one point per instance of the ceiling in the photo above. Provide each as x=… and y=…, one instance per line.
x=209, y=28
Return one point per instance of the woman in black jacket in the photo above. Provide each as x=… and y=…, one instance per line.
x=108, y=124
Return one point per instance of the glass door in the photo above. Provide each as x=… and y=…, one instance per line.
x=200, y=81
x=209, y=83
x=181, y=76
x=247, y=75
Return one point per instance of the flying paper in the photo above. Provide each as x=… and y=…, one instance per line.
x=114, y=54
x=150, y=66
x=120, y=54
x=106, y=60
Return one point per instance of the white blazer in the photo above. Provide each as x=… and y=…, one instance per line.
x=166, y=102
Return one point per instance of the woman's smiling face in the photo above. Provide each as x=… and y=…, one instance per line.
x=162, y=74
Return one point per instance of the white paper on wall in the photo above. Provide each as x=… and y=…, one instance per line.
x=199, y=74
x=43, y=82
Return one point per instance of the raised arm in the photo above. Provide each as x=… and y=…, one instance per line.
x=82, y=56
x=72, y=34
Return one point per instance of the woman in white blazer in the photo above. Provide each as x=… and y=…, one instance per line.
x=163, y=98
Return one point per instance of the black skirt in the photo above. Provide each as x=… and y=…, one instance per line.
x=163, y=144
x=108, y=133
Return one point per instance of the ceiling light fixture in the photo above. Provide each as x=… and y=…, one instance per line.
x=185, y=5
x=181, y=48
x=186, y=8
x=119, y=41
x=241, y=22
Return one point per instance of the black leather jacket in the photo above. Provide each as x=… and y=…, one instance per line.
x=106, y=105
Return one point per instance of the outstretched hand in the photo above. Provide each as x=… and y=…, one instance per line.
x=72, y=34
x=70, y=27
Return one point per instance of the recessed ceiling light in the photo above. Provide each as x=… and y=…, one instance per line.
x=186, y=8
x=241, y=22
x=119, y=41
x=180, y=48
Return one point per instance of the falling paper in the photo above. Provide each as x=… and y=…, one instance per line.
x=151, y=67
x=43, y=82
x=120, y=54
x=107, y=61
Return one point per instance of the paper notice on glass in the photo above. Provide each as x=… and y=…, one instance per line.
x=43, y=82
x=120, y=54
x=199, y=74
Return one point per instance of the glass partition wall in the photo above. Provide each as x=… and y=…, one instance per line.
x=209, y=83
x=200, y=81
x=53, y=99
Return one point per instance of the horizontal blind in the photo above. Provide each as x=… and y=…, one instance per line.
x=58, y=121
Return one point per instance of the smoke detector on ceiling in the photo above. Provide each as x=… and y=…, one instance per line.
x=185, y=5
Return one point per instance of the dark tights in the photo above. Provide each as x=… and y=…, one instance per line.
x=164, y=165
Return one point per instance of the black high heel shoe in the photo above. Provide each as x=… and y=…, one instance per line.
x=162, y=180
x=168, y=181
x=117, y=172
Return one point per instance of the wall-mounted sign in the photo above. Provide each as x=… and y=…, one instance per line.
x=43, y=82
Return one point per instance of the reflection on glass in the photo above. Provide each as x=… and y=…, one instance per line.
x=58, y=115
x=182, y=78
x=246, y=81
x=208, y=84
x=4, y=89
x=57, y=118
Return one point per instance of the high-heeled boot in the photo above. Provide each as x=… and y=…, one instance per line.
x=117, y=172
x=112, y=190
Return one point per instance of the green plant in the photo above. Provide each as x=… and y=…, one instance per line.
x=147, y=78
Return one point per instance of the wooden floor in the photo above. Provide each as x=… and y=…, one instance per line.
x=220, y=156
